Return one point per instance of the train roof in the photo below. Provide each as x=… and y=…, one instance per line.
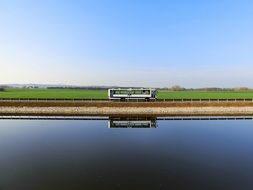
x=131, y=89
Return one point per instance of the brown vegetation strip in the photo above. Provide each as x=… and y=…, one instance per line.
x=124, y=115
x=125, y=104
x=158, y=111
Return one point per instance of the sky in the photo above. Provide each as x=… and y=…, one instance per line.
x=158, y=43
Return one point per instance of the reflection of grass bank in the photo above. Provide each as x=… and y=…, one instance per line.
x=102, y=94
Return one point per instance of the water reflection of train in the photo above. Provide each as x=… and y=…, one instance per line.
x=132, y=123
x=132, y=93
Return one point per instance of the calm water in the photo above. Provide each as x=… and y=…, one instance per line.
x=41, y=155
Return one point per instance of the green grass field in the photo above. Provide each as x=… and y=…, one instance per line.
x=102, y=94
x=53, y=93
x=205, y=95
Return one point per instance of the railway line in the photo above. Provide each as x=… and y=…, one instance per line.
x=127, y=100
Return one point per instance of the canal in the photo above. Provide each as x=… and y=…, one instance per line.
x=125, y=154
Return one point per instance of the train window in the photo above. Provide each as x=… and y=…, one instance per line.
x=120, y=92
x=124, y=92
x=136, y=92
x=146, y=92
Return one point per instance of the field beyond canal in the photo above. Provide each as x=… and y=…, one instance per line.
x=102, y=94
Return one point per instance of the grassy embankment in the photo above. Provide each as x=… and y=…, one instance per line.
x=102, y=94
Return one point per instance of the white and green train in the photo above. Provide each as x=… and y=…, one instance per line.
x=132, y=93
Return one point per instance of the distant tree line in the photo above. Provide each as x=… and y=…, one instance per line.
x=79, y=88
x=173, y=88
x=179, y=88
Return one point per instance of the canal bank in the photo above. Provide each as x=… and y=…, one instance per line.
x=127, y=108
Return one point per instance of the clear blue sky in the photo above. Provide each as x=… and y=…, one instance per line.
x=193, y=43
